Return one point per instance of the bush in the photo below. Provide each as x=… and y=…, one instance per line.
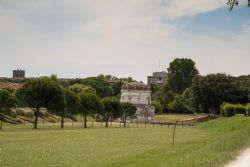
x=227, y=110
x=248, y=109
x=158, y=106
x=240, y=109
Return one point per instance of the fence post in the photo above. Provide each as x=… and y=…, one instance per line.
x=161, y=125
x=174, y=134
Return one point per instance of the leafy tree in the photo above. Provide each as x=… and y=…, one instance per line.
x=179, y=105
x=180, y=74
x=7, y=100
x=232, y=3
x=90, y=104
x=37, y=93
x=112, y=107
x=80, y=88
x=210, y=91
x=117, y=86
x=158, y=106
x=154, y=88
x=129, y=110
x=64, y=105
x=102, y=87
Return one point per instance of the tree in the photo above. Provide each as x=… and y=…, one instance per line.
x=90, y=103
x=179, y=105
x=65, y=104
x=129, y=110
x=112, y=107
x=154, y=88
x=157, y=105
x=81, y=88
x=7, y=100
x=210, y=91
x=37, y=93
x=180, y=74
x=232, y=3
x=102, y=87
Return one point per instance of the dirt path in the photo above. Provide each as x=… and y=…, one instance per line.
x=243, y=160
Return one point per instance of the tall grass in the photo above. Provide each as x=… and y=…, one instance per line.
x=210, y=144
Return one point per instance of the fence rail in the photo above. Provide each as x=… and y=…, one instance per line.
x=44, y=123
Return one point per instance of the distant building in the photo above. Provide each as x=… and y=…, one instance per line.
x=158, y=78
x=139, y=94
x=18, y=74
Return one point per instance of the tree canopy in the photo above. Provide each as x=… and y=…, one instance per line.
x=90, y=104
x=210, y=91
x=112, y=107
x=180, y=74
x=129, y=110
x=38, y=93
x=7, y=100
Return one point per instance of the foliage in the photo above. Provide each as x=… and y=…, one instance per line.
x=38, y=93
x=240, y=109
x=102, y=87
x=80, y=88
x=210, y=91
x=227, y=110
x=180, y=74
x=7, y=100
x=158, y=106
x=112, y=108
x=129, y=110
x=179, y=105
x=232, y=3
x=90, y=104
x=248, y=109
x=154, y=88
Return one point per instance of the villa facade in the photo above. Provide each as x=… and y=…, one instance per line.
x=139, y=94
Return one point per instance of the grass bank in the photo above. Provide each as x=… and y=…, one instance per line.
x=210, y=144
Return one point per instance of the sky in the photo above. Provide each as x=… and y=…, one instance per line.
x=83, y=38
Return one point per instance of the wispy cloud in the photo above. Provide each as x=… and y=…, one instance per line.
x=124, y=37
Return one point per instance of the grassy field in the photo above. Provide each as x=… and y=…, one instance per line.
x=209, y=144
x=174, y=117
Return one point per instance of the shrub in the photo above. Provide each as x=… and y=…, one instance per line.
x=240, y=109
x=227, y=110
x=248, y=109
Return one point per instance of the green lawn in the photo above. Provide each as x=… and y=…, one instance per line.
x=210, y=144
x=173, y=117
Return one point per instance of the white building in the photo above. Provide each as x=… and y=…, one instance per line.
x=139, y=94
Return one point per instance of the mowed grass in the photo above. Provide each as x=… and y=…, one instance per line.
x=174, y=117
x=209, y=144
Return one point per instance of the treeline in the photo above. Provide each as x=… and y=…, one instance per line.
x=93, y=96
x=188, y=92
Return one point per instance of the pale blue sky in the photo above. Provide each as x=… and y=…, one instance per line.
x=73, y=38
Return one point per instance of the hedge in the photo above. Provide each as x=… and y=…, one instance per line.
x=227, y=110
x=248, y=109
x=240, y=109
